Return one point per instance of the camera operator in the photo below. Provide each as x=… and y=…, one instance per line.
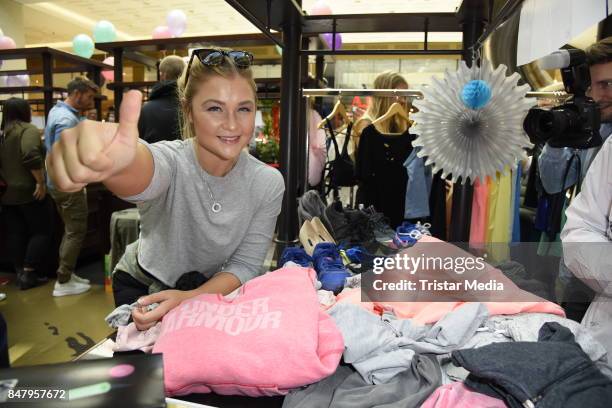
x=587, y=234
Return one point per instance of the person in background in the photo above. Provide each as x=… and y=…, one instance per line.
x=91, y=114
x=72, y=207
x=159, y=119
x=587, y=234
x=24, y=203
x=380, y=105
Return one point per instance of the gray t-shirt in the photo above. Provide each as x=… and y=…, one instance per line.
x=179, y=232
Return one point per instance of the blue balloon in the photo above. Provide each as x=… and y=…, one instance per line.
x=83, y=45
x=476, y=94
x=104, y=31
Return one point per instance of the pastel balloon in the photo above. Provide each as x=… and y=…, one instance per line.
x=104, y=31
x=320, y=8
x=83, y=45
x=177, y=22
x=7, y=43
x=161, y=32
x=328, y=38
x=109, y=75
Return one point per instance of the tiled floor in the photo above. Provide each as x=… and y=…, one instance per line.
x=44, y=329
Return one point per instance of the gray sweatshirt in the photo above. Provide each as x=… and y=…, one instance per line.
x=180, y=233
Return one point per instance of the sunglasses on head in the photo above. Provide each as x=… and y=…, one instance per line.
x=211, y=57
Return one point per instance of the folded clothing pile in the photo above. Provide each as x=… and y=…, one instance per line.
x=552, y=372
x=271, y=338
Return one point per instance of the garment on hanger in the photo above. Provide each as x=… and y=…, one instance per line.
x=381, y=172
x=316, y=149
x=437, y=207
x=515, y=235
x=341, y=168
x=478, y=223
x=418, y=187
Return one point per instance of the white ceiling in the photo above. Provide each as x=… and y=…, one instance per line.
x=56, y=22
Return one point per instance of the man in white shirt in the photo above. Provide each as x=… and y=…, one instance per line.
x=587, y=234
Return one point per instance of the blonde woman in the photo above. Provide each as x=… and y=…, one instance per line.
x=205, y=204
x=380, y=105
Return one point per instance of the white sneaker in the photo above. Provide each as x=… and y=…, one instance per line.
x=72, y=287
x=77, y=278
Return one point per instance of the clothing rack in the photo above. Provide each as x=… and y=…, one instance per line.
x=410, y=92
x=362, y=92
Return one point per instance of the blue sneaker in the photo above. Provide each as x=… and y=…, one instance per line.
x=330, y=269
x=406, y=236
x=296, y=255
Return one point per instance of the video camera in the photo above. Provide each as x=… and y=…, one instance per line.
x=576, y=123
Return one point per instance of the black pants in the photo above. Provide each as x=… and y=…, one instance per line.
x=4, y=356
x=29, y=231
x=126, y=289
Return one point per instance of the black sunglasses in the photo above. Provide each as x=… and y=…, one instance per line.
x=212, y=58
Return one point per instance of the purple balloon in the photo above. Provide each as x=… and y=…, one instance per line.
x=18, y=80
x=328, y=38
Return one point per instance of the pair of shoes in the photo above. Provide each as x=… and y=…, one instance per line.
x=311, y=205
x=329, y=266
x=297, y=255
x=79, y=279
x=72, y=287
x=349, y=225
x=313, y=232
x=407, y=234
x=383, y=233
x=27, y=279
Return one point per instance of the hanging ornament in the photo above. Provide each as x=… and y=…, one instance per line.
x=476, y=94
x=470, y=123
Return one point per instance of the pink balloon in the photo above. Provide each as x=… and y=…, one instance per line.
x=320, y=8
x=7, y=43
x=109, y=75
x=161, y=32
x=328, y=38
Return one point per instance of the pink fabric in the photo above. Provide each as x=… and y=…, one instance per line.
x=478, y=225
x=431, y=312
x=457, y=395
x=271, y=338
x=130, y=338
x=317, y=154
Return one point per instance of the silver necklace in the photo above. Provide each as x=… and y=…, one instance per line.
x=216, y=206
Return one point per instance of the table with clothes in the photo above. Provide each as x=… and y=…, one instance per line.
x=284, y=339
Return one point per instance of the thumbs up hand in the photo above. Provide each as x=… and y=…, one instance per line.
x=94, y=151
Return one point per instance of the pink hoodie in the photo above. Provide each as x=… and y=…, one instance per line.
x=271, y=338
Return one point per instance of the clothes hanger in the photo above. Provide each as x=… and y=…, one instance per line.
x=396, y=109
x=338, y=109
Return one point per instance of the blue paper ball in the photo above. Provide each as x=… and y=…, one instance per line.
x=476, y=94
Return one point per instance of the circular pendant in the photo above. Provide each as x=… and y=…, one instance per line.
x=216, y=207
